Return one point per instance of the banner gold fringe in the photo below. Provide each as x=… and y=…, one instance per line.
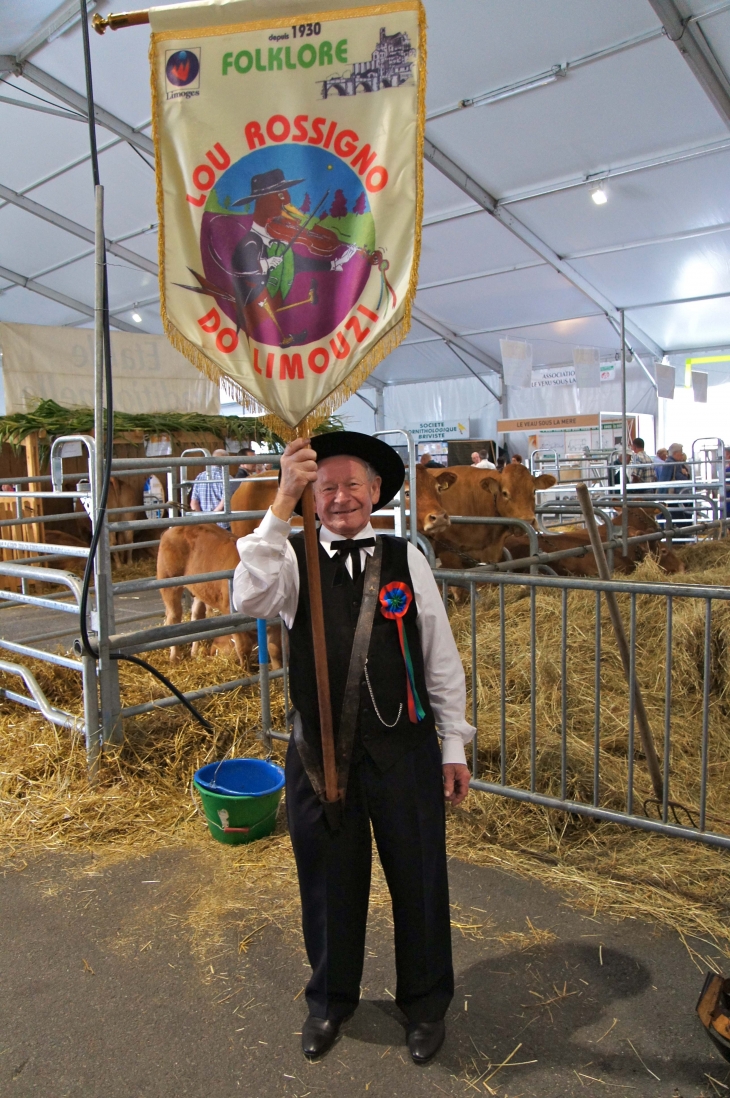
x=387, y=342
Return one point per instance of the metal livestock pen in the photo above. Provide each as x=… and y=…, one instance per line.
x=104, y=711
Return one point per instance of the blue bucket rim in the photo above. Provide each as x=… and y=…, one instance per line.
x=218, y=790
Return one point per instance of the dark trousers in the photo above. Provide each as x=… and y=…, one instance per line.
x=406, y=808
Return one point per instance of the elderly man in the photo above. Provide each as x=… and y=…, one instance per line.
x=382, y=608
x=482, y=461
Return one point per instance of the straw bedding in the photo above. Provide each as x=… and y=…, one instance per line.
x=143, y=799
x=605, y=867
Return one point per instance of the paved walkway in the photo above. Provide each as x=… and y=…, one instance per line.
x=102, y=997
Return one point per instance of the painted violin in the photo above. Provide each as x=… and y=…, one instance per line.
x=317, y=239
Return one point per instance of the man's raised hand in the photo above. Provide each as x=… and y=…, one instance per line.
x=298, y=469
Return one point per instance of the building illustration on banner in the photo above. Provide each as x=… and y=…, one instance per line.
x=390, y=66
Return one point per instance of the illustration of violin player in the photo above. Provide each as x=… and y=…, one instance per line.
x=268, y=244
x=260, y=268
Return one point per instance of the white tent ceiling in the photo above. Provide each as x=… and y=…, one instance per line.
x=513, y=245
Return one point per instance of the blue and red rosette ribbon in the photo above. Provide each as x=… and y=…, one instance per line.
x=395, y=598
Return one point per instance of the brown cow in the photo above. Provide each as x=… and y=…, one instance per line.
x=257, y=495
x=189, y=551
x=122, y=493
x=585, y=565
x=475, y=492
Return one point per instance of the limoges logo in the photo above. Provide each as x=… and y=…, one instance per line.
x=182, y=71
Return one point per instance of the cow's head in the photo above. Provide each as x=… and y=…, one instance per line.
x=431, y=515
x=514, y=490
x=641, y=519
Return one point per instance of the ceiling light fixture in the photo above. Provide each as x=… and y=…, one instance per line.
x=599, y=195
x=136, y=318
x=513, y=89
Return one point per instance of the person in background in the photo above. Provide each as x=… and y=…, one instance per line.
x=659, y=458
x=475, y=459
x=642, y=465
x=207, y=493
x=484, y=462
x=427, y=462
x=673, y=467
x=247, y=470
x=614, y=476
x=500, y=464
x=516, y=459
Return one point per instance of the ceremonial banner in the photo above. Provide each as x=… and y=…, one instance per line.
x=289, y=175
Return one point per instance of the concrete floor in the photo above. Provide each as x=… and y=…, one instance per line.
x=101, y=996
x=51, y=629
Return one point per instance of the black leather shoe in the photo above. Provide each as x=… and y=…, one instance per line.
x=319, y=1035
x=424, y=1040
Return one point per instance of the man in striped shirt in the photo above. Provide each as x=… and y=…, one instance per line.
x=642, y=465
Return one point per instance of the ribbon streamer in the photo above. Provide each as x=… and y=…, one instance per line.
x=395, y=598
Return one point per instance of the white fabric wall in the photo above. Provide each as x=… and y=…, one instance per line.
x=455, y=398
x=570, y=400
x=682, y=420
x=40, y=362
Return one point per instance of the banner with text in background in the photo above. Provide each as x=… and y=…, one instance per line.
x=289, y=174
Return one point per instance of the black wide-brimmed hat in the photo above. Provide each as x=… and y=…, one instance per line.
x=267, y=183
x=384, y=459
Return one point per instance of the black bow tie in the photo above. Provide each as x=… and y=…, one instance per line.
x=348, y=547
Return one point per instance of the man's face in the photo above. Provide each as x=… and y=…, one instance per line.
x=250, y=467
x=344, y=496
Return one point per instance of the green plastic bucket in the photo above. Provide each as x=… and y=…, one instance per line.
x=240, y=798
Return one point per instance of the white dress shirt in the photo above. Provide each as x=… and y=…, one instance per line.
x=266, y=583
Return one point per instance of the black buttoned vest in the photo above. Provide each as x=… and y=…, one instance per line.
x=385, y=666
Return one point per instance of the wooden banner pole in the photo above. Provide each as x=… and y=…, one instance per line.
x=311, y=542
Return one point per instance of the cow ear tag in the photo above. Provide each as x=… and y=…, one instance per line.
x=395, y=598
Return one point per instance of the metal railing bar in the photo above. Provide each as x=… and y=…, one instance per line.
x=144, y=507
x=667, y=710
x=632, y=705
x=56, y=716
x=224, y=623
x=134, y=545
x=151, y=584
x=502, y=692
x=154, y=464
x=42, y=495
x=533, y=690
x=564, y=695
x=707, y=667
x=58, y=633
x=193, y=695
x=473, y=615
x=37, y=600
x=597, y=707
x=621, y=587
x=642, y=823
x=146, y=645
x=43, y=546
x=191, y=518
x=40, y=654
x=45, y=519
